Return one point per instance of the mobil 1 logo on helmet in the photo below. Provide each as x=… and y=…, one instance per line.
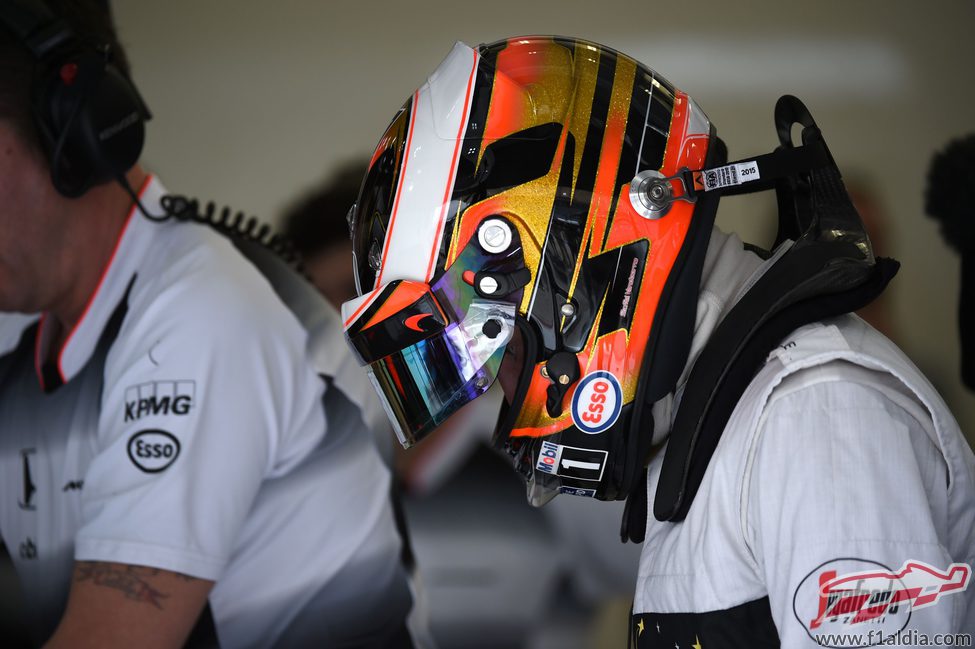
x=597, y=402
x=571, y=461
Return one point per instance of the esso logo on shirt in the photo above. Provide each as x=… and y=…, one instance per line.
x=597, y=402
x=153, y=451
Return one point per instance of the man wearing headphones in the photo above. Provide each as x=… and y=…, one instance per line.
x=184, y=453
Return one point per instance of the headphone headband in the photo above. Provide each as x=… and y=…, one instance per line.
x=35, y=26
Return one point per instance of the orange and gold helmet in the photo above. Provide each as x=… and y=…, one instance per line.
x=510, y=222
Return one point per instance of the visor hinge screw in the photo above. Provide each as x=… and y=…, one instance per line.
x=564, y=379
x=492, y=328
x=544, y=372
x=494, y=235
x=488, y=285
x=568, y=310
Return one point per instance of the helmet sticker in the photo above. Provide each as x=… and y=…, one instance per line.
x=597, y=402
x=731, y=175
x=576, y=491
x=571, y=461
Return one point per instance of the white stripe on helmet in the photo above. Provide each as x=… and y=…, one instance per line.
x=441, y=108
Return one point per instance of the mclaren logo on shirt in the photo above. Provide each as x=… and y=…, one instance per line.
x=153, y=450
x=27, y=501
x=159, y=398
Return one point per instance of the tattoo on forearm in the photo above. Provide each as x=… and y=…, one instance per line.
x=132, y=581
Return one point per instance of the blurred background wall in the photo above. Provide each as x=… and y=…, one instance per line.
x=256, y=102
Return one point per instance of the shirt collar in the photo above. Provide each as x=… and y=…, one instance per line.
x=80, y=343
x=12, y=327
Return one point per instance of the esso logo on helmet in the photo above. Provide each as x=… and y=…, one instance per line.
x=597, y=402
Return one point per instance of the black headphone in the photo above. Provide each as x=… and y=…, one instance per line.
x=90, y=117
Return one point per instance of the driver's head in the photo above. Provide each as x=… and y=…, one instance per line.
x=502, y=232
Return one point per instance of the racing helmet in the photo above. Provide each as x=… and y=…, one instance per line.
x=530, y=205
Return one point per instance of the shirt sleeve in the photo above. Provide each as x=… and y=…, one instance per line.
x=204, y=390
x=845, y=512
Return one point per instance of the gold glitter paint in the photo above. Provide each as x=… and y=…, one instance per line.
x=586, y=64
x=619, y=109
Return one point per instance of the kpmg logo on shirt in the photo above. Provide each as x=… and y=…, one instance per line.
x=153, y=450
x=159, y=398
x=860, y=603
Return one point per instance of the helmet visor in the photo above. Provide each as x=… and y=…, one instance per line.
x=424, y=383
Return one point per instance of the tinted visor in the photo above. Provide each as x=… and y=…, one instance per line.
x=425, y=383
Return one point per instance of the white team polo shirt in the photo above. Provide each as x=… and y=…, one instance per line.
x=195, y=422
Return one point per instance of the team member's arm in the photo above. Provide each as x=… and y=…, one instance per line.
x=845, y=512
x=115, y=605
x=202, y=393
